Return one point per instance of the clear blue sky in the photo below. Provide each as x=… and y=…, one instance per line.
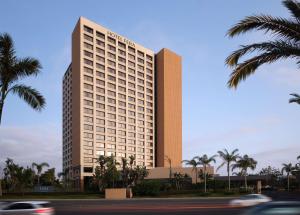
x=256, y=118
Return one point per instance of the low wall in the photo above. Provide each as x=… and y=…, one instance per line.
x=118, y=193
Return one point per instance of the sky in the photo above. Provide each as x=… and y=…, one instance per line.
x=256, y=118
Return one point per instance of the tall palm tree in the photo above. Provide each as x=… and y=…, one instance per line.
x=194, y=163
x=12, y=70
x=169, y=160
x=228, y=159
x=39, y=168
x=205, y=162
x=244, y=163
x=288, y=168
x=285, y=42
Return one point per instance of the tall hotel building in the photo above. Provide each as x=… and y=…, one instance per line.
x=121, y=99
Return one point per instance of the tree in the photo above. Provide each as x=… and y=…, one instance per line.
x=288, y=168
x=178, y=180
x=125, y=171
x=285, y=42
x=244, y=163
x=39, y=168
x=205, y=161
x=272, y=173
x=169, y=160
x=228, y=159
x=12, y=70
x=193, y=162
x=295, y=99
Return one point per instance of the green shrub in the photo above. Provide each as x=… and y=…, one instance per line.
x=147, y=188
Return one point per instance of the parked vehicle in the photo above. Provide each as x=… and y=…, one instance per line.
x=250, y=200
x=26, y=208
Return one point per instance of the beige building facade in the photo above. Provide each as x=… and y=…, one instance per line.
x=119, y=99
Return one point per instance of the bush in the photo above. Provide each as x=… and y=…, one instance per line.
x=147, y=188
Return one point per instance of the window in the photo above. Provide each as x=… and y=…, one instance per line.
x=100, y=43
x=100, y=74
x=100, y=82
x=121, y=125
x=111, y=123
x=100, y=98
x=111, y=48
x=122, y=111
x=132, y=71
x=120, y=66
x=121, y=52
x=100, y=90
x=100, y=113
x=140, y=67
x=149, y=57
x=121, y=59
x=122, y=118
x=140, y=81
x=149, y=64
x=87, y=160
x=101, y=145
x=87, y=29
x=88, y=46
x=88, y=152
x=131, y=85
x=122, y=89
x=131, y=92
x=141, y=95
x=88, y=95
x=111, y=131
x=100, y=66
x=111, y=78
x=111, y=116
x=88, y=62
x=130, y=49
x=87, y=135
x=111, y=93
x=88, y=78
x=149, y=84
x=131, y=113
x=88, y=38
x=88, y=143
x=111, y=101
x=88, y=54
x=111, y=55
x=149, y=90
x=100, y=35
x=100, y=152
x=88, y=111
x=88, y=127
x=122, y=81
x=122, y=96
x=131, y=120
x=99, y=58
x=88, y=103
x=131, y=99
x=88, y=70
x=88, y=119
x=100, y=121
x=149, y=77
x=100, y=137
x=99, y=105
x=111, y=40
x=131, y=106
x=111, y=108
x=122, y=45
x=112, y=139
x=112, y=86
x=100, y=51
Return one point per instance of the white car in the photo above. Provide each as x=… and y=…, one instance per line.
x=250, y=200
x=26, y=208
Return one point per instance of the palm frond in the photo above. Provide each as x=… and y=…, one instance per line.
x=293, y=7
x=296, y=98
x=248, y=67
x=277, y=26
x=26, y=67
x=31, y=96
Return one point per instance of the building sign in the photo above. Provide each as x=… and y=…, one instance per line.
x=121, y=39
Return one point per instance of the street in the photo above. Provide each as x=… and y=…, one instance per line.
x=145, y=206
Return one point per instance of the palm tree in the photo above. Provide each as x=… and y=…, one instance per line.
x=228, y=158
x=12, y=70
x=285, y=44
x=169, y=160
x=194, y=165
x=288, y=168
x=205, y=161
x=39, y=168
x=244, y=163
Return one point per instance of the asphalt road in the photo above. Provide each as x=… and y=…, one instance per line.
x=145, y=207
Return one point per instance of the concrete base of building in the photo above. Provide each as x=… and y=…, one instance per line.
x=118, y=193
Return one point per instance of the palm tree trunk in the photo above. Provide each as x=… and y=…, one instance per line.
x=228, y=172
x=205, y=179
x=246, y=182
x=288, y=181
x=0, y=187
x=196, y=171
x=1, y=107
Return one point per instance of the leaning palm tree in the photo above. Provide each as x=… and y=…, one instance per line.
x=288, y=168
x=39, y=168
x=244, y=163
x=228, y=158
x=12, y=70
x=285, y=42
x=205, y=162
x=193, y=162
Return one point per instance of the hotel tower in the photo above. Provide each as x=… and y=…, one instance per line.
x=120, y=99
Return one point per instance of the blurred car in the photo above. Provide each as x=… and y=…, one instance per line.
x=26, y=208
x=250, y=200
x=291, y=208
